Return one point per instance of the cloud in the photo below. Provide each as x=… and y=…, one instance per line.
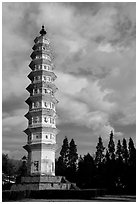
x=82, y=105
x=94, y=49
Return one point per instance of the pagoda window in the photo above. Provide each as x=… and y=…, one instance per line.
x=36, y=104
x=46, y=136
x=43, y=48
x=50, y=136
x=35, y=90
x=34, y=120
x=40, y=119
x=46, y=119
x=48, y=78
x=43, y=56
x=45, y=41
x=51, y=120
x=44, y=66
x=46, y=57
x=53, y=106
x=32, y=105
x=45, y=104
x=36, y=165
x=44, y=77
x=40, y=103
x=47, y=91
x=38, y=136
x=40, y=90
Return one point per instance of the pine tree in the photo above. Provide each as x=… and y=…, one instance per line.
x=89, y=170
x=72, y=162
x=131, y=167
x=124, y=151
x=64, y=153
x=111, y=147
x=119, y=151
x=132, y=153
x=99, y=153
x=73, y=156
x=62, y=162
x=107, y=156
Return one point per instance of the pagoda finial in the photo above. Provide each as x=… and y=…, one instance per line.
x=42, y=31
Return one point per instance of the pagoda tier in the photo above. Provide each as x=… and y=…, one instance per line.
x=31, y=130
x=38, y=62
x=41, y=86
x=42, y=97
x=42, y=112
x=35, y=73
x=39, y=146
x=40, y=51
x=41, y=116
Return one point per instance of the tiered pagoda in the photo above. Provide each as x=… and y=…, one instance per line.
x=41, y=130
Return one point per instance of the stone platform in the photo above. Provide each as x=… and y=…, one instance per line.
x=43, y=183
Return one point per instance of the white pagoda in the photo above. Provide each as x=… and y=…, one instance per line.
x=41, y=130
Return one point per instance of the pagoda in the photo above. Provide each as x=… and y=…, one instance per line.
x=41, y=130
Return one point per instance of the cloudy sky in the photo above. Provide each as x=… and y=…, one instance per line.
x=94, y=50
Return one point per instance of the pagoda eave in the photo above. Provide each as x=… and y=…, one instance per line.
x=39, y=72
x=39, y=146
x=40, y=111
x=40, y=52
x=28, y=130
x=39, y=61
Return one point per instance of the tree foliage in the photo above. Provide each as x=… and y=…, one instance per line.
x=111, y=147
x=99, y=153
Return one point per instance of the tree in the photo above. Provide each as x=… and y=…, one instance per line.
x=65, y=152
x=8, y=165
x=4, y=163
x=107, y=156
x=124, y=151
x=99, y=153
x=119, y=151
x=23, y=168
x=132, y=153
x=131, y=167
x=72, y=163
x=73, y=156
x=111, y=147
x=63, y=159
x=86, y=172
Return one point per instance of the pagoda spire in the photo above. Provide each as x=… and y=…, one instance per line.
x=43, y=31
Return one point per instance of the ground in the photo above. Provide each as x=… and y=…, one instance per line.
x=109, y=198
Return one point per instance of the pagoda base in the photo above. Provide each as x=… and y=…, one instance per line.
x=43, y=183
